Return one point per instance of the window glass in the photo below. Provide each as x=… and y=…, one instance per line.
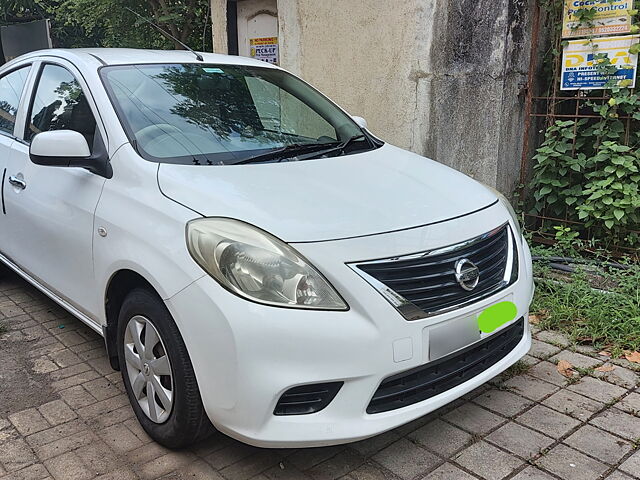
x=60, y=104
x=11, y=86
x=208, y=114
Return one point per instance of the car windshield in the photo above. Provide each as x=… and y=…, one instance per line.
x=207, y=114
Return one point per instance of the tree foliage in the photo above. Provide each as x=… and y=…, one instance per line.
x=108, y=23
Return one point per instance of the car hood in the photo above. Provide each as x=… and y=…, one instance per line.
x=355, y=195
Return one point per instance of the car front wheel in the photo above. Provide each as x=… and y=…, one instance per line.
x=158, y=374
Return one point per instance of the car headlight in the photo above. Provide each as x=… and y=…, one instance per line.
x=512, y=212
x=256, y=265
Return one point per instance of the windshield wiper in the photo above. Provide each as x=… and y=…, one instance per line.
x=283, y=152
x=338, y=148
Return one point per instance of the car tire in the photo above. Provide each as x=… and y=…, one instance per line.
x=168, y=407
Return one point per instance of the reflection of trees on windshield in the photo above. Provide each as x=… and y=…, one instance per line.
x=216, y=101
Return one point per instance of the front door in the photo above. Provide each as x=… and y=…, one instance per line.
x=50, y=210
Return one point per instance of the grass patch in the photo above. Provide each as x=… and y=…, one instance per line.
x=594, y=305
x=3, y=328
x=514, y=370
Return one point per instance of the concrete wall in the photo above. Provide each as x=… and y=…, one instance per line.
x=439, y=77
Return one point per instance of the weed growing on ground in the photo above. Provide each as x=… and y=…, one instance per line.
x=514, y=370
x=595, y=304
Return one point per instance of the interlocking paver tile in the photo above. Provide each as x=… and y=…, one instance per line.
x=254, y=464
x=520, y=440
x=441, y=438
x=619, y=423
x=29, y=421
x=531, y=387
x=64, y=445
x=77, y=397
x=98, y=457
x=57, y=412
x=448, y=472
x=365, y=472
x=599, y=444
x=56, y=433
x=474, y=418
x=597, y=389
x=163, y=465
x=65, y=358
x=146, y=453
x=618, y=475
x=568, y=463
x=120, y=438
x=620, y=376
x=632, y=464
x=128, y=474
x=554, y=338
x=373, y=445
x=542, y=350
x=532, y=473
x=67, y=467
x=630, y=403
x=237, y=451
x=573, y=404
x=16, y=454
x=576, y=359
x=44, y=365
x=488, y=461
x=101, y=388
x=200, y=470
x=32, y=472
x=529, y=360
x=547, y=421
x=336, y=467
x=503, y=402
x=548, y=372
x=406, y=459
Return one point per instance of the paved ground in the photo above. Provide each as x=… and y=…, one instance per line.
x=63, y=415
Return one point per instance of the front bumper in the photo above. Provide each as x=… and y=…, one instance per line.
x=246, y=355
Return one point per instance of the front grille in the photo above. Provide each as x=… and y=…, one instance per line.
x=426, y=283
x=306, y=399
x=434, y=378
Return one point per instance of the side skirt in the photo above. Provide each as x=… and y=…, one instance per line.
x=60, y=301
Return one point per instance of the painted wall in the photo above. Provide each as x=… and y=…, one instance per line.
x=443, y=78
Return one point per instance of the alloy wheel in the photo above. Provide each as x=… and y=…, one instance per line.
x=148, y=368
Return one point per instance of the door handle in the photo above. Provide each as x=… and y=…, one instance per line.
x=17, y=182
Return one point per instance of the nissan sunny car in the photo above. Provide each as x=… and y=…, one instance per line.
x=256, y=260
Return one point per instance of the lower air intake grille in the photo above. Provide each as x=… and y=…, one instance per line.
x=307, y=399
x=434, y=378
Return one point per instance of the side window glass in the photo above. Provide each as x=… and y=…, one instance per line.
x=11, y=86
x=60, y=104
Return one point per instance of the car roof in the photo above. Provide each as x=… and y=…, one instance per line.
x=125, y=56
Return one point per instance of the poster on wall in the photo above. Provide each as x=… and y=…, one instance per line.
x=579, y=67
x=596, y=17
x=264, y=48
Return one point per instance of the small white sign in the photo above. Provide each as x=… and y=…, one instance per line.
x=264, y=48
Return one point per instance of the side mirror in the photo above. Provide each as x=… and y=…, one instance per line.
x=67, y=148
x=362, y=123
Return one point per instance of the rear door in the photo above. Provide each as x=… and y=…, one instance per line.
x=12, y=86
x=50, y=215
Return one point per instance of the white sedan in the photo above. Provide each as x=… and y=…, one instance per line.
x=256, y=260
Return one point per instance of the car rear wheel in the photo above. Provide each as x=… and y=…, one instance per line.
x=158, y=374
